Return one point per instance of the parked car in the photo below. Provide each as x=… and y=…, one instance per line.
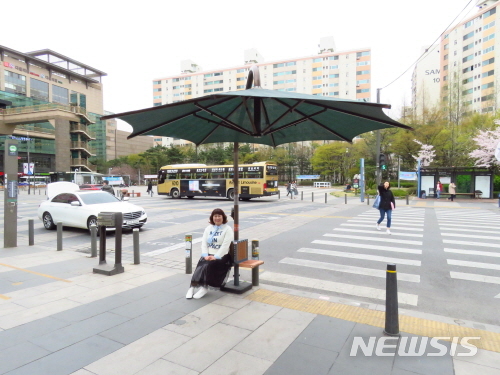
x=73, y=207
x=90, y=187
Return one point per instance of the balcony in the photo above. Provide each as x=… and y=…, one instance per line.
x=79, y=128
x=79, y=145
x=83, y=163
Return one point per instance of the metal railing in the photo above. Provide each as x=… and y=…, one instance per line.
x=83, y=145
x=82, y=128
x=76, y=162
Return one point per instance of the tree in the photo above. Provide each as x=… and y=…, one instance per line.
x=426, y=154
x=487, y=142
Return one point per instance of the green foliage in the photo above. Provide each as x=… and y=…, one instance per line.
x=496, y=183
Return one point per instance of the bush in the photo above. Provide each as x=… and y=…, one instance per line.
x=408, y=184
x=396, y=192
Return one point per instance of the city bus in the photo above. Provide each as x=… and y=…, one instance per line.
x=200, y=180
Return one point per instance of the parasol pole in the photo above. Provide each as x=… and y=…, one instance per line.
x=236, y=189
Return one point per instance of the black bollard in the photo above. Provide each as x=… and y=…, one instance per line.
x=367, y=200
x=345, y=197
x=137, y=251
x=188, y=238
x=59, y=236
x=31, y=232
x=301, y=195
x=312, y=196
x=325, y=198
x=407, y=200
x=279, y=194
x=391, y=302
x=93, y=241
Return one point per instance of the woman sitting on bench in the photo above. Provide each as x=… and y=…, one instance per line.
x=215, y=263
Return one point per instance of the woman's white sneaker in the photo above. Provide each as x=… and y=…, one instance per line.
x=378, y=226
x=190, y=293
x=388, y=231
x=200, y=293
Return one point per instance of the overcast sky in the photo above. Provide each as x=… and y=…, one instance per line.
x=136, y=44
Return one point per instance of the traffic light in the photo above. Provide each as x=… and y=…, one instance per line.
x=381, y=161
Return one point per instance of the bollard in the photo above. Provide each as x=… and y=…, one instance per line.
x=93, y=241
x=407, y=200
x=39, y=191
x=368, y=200
x=102, y=245
x=391, y=302
x=345, y=196
x=326, y=198
x=133, y=194
x=137, y=253
x=189, y=253
x=255, y=249
x=301, y=195
x=59, y=236
x=279, y=194
x=31, y=232
x=312, y=196
x=118, y=268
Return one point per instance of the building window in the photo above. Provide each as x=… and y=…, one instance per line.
x=317, y=60
x=490, y=12
x=15, y=83
x=59, y=95
x=39, y=89
x=156, y=82
x=489, y=49
x=362, y=82
x=361, y=72
x=489, y=61
x=364, y=53
x=360, y=91
x=333, y=58
x=469, y=35
x=487, y=85
x=158, y=90
x=468, y=58
x=334, y=76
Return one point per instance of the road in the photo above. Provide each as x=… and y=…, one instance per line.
x=446, y=252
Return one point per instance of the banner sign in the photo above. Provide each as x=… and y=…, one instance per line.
x=407, y=175
x=308, y=177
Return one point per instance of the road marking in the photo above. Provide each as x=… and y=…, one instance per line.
x=373, y=226
x=382, y=233
x=376, y=258
x=374, y=221
x=471, y=236
x=465, y=263
x=475, y=277
x=471, y=243
x=473, y=252
x=470, y=226
x=170, y=248
x=331, y=286
x=348, y=269
x=4, y=297
x=35, y=273
x=407, y=242
x=371, y=247
x=468, y=230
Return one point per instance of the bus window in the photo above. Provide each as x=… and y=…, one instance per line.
x=201, y=176
x=231, y=175
x=185, y=176
x=171, y=176
x=218, y=175
x=254, y=174
x=161, y=177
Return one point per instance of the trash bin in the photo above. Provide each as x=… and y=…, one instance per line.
x=422, y=194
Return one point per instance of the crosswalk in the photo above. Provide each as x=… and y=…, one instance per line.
x=470, y=241
x=356, y=249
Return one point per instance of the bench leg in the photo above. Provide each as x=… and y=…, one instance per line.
x=255, y=276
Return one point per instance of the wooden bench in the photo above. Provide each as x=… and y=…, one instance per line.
x=472, y=195
x=254, y=266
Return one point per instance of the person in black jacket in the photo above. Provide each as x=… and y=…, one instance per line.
x=387, y=204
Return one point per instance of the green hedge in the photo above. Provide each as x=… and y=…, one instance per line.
x=396, y=192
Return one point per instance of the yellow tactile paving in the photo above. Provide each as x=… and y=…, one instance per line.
x=35, y=273
x=417, y=326
x=424, y=204
x=4, y=297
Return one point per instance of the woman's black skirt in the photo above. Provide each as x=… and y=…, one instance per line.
x=212, y=273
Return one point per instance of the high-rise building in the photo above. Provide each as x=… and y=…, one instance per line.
x=468, y=55
x=425, y=82
x=343, y=75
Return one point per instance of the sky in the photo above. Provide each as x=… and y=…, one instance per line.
x=136, y=44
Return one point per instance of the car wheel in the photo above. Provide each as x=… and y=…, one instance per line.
x=175, y=193
x=230, y=194
x=48, y=222
x=92, y=220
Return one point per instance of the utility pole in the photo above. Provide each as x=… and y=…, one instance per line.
x=377, y=157
x=28, y=148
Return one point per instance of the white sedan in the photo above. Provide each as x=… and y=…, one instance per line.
x=77, y=208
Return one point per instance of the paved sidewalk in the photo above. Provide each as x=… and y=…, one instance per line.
x=57, y=317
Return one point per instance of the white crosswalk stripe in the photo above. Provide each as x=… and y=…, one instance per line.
x=342, y=288
x=348, y=269
x=356, y=240
x=478, y=230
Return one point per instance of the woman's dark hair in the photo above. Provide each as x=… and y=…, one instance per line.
x=218, y=211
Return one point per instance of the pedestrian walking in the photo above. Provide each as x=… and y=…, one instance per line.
x=289, y=188
x=452, y=190
x=387, y=205
x=107, y=188
x=294, y=190
x=439, y=188
x=150, y=188
x=215, y=262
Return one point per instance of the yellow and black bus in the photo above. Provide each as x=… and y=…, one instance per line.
x=200, y=180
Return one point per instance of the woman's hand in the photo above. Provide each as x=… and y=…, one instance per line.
x=209, y=257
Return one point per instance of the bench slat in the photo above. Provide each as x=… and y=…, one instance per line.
x=251, y=263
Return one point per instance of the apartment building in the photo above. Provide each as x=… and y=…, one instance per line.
x=343, y=75
x=469, y=53
x=425, y=82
